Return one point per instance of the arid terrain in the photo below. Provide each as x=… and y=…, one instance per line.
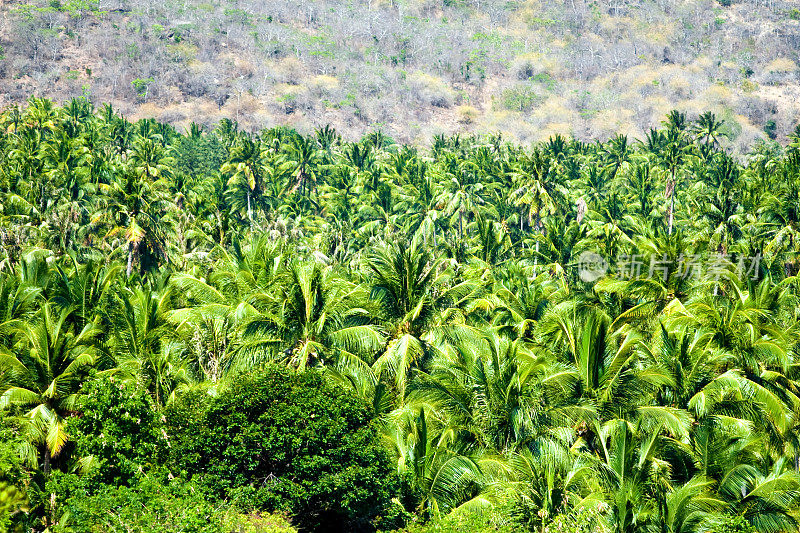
x=415, y=68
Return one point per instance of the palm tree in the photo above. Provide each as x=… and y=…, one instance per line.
x=641, y=188
x=136, y=216
x=535, y=193
x=141, y=343
x=765, y=497
x=692, y=506
x=548, y=477
x=148, y=159
x=45, y=369
x=447, y=475
x=305, y=155
x=245, y=167
x=632, y=478
x=463, y=194
x=317, y=316
x=674, y=155
x=490, y=389
x=708, y=128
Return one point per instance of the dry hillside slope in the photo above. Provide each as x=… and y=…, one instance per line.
x=414, y=68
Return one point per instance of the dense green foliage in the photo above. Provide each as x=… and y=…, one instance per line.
x=13, y=475
x=119, y=428
x=152, y=507
x=309, y=447
x=199, y=329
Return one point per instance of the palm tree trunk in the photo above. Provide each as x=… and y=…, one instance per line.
x=461, y=225
x=46, y=469
x=46, y=466
x=130, y=259
x=671, y=204
x=249, y=209
x=671, y=210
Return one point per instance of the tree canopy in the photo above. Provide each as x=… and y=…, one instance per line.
x=367, y=336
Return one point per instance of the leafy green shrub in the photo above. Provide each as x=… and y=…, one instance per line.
x=14, y=478
x=733, y=524
x=287, y=441
x=154, y=507
x=235, y=522
x=522, y=98
x=770, y=128
x=462, y=521
x=119, y=428
x=142, y=87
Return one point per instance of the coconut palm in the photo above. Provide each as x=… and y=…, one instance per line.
x=136, y=218
x=245, y=167
x=44, y=370
x=317, y=316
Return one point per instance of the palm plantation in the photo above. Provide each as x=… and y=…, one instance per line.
x=441, y=290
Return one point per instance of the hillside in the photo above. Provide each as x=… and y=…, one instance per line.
x=413, y=68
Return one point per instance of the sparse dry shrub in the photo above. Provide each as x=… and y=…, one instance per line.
x=791, y=117
x=563, y=128
x=745, y=134
x=182, y=52
x=659, y=106
x=326, y=91
x=523, y=128
x=259, y=120
x=748, y=87
x=643, y=116
x=324, y=82
x=635, y=78
x=290, y=98
x=240, y=105
x=526, y=66
x=384, y=110
x=729, y=71
x=695, y=107
x=171, y=116
x=287, y=70
x=679, y=87
x=777, y=71
x=466, y=114
x=755, y=109
x=431, y=90
x=716, y=94
x=609, y=122
x=552, y=110
x=371, y=81
x=781, y=65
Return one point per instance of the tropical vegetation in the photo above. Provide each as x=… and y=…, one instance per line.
x=215, y=330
